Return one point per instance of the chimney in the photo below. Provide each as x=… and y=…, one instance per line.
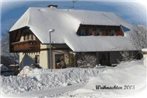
x=53, y=6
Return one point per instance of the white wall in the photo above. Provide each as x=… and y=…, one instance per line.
x=29, y=58
x=44, y=59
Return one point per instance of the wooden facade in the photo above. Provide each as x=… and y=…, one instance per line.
x=23, y=40
x=25, y=46
x=100, y=30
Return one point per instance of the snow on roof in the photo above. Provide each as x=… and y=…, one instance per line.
x=66, y=23
x=94, y=43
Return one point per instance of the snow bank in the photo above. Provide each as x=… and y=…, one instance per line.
x=45, y=81
x=131, y=74
x=40, y=79
x=25, y=71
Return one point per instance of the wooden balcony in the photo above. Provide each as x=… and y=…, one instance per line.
x=25, y=46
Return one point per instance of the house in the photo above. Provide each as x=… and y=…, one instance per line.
x=58, y=38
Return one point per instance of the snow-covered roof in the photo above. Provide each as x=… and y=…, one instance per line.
x=94, y=43
x=66, y=23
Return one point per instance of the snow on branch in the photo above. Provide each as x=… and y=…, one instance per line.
x=139, y=36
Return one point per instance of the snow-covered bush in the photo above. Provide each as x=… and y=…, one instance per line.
x=7, y=58
x=86, y=60
x=3, y=68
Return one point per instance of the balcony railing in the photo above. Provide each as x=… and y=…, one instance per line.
x=25, y=46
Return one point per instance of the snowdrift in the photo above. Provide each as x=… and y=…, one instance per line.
x=40, y=80
x=131, y=76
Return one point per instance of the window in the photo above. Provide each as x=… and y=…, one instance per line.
x=83, y=31
x=92, y=32
x=97, y=31
x=112, y=32
x=119, y=32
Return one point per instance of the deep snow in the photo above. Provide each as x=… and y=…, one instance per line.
x=76, y=82
x=39, y=79
x=127, y=73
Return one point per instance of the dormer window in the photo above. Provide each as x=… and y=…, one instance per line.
x=96, y=30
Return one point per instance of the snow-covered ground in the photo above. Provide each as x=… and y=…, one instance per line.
x=131, y=74
x=128, y=78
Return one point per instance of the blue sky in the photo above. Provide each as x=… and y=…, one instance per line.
x=130, y=11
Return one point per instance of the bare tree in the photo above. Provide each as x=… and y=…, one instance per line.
x=139, y=39
x=7, y=58
x=139, y=36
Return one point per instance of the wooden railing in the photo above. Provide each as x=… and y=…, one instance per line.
x=25, y=46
